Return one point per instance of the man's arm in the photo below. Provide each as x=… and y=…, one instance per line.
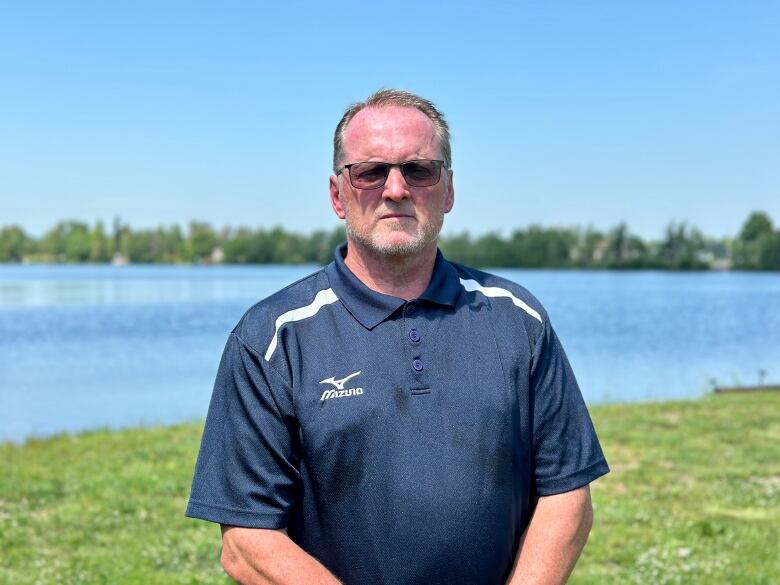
x=554, y=539
x=255, y=556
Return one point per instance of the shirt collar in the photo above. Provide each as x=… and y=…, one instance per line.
x=370, y=307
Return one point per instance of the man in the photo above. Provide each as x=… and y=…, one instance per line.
x=395, y=418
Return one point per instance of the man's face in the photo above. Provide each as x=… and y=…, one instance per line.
x=395, y=219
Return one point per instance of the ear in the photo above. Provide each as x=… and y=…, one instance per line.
x=335, y=200
x=449, y=199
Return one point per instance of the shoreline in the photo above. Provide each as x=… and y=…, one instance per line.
x=141, y=427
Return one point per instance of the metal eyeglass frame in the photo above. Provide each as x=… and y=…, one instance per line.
x=400, y=165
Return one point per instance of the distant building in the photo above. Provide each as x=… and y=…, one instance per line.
x=217, y=255
x=721, y=264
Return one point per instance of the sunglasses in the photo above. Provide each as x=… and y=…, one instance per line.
x=372, y=175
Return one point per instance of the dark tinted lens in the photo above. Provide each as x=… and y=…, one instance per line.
x=421, y=173
x=368, y=175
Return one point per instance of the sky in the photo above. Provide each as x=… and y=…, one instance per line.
x=562, y=113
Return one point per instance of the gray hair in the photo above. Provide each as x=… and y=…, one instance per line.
x=394, y=97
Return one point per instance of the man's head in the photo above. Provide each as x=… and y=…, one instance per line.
x=403, y=215
x=400, y=98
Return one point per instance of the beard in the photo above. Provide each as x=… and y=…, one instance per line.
x=392, y=241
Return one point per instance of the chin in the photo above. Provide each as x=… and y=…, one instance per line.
x=392, y=244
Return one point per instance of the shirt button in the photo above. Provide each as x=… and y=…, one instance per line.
x=414, y=335
x=417, y=365
x=410, y=309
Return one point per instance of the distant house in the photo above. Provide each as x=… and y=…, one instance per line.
x=217, y=255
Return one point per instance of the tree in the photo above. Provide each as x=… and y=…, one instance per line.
x=121, y=239
x=171, y=244
x=769, y=251
x=624, y=250
x=52, y=243
x=100, y=248
x=491, y=250
x=755, y=226
x=201, y=241
x=337, y=236
x=143, y=246
x=756, y=246
x=77, y=243
x=457, y=248
x=682, y=248
x=13, y=244
x=236, y=245
x=68, y=241
x=539, y=247
x=618, y=247
x=287, y=248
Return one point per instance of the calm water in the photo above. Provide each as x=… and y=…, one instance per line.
x=86, y=347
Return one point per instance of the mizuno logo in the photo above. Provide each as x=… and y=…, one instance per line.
x=339, y=391
x=339, y=384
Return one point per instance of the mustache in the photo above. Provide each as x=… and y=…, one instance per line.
x=396, y=210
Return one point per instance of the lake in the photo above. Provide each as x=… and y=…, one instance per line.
x=84, y=347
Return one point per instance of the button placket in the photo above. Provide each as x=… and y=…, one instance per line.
x=414, y=347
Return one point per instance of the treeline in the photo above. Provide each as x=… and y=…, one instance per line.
x=756, y=247
x=75, y=242
x=683, y=247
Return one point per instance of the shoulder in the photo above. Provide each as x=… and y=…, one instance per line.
x=505, y=296
x=258, y=326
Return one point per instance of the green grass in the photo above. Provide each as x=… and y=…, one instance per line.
x=693, y=497
x=694, y=493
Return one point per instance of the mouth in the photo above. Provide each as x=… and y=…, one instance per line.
x=394, y=215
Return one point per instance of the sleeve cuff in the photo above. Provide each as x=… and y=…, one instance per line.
x=231, y=517
x=559, y=485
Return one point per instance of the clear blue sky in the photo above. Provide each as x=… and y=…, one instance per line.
x=568, y=113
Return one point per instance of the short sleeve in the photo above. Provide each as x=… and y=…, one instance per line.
x=247, y=469
x=566, y=449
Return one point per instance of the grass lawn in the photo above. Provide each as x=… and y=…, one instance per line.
x=693, y=497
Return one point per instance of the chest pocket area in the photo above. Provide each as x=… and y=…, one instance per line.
x=339, y=411
x=343, y=426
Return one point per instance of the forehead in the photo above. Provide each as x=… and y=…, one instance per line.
x=390, y=133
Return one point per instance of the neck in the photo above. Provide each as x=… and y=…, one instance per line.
x=405, y=277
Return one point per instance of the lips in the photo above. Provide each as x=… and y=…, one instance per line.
x=395, y=215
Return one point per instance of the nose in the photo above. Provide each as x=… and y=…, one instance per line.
x=395, y=186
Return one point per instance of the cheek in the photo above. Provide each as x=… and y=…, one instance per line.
x=357, y=209
x=435, y=204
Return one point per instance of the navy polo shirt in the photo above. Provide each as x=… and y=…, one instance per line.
x=399, y=442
